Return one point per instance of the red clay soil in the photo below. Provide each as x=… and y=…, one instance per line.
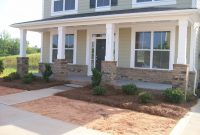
x=7, y=91
x=116, y=98
x=100, y=117
x=35, y=85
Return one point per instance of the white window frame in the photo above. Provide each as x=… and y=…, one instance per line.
x=102, y=8
x=136, y=4
x=63, y=12
x=152, y=29
x=74, y=32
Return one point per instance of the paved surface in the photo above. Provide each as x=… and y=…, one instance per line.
x=190, y=124
x=144, y=85
x=14, y=121
x=30, y=95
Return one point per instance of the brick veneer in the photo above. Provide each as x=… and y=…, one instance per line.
x=109, y=71
x=59, y=68
x=180, y=76
x=22, y=65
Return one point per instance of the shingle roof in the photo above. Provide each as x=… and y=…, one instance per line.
x=137, y=10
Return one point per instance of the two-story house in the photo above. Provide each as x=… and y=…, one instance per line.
x=146, y=40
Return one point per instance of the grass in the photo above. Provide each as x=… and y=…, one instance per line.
x=10, y=63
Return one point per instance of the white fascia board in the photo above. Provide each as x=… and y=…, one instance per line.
x=117, y=18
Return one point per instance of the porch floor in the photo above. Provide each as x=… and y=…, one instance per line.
x=85, y=80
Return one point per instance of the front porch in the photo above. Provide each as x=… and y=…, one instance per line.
x=161, y=49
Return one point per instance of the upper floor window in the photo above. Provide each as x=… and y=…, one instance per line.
x=60, y=7
x=101, y=5
x=149, y=3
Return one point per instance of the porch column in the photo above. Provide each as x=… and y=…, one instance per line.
x=181, y=69
x=60, y=65
x=22, y=60
x=109, y=66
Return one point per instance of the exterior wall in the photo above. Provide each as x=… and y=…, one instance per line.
x=46, y=47
x=81, y=47
x=124, y=47
x=84, y=6
x=77, y=69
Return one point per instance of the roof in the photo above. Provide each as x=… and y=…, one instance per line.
x=137, y=10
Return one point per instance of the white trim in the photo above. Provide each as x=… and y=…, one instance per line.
x=102, y=8
x=63, y=12
x=194, y=3
x=88, y=53
x=61, y=43
x=23, y=34
x=117, y=44
x=152, y=3
x=41, y=49
x=152, y=28
x=75, y=47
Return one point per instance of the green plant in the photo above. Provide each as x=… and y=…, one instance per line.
x=28, y=78
x=130, y=89
x=1, y=67
x=190, y=97
x=96, y=77
x=145, y=97
x=99, y=91
x=14, y=76
x=174, y=95
x=7, y=78
x=47, y=73
x=198, y=92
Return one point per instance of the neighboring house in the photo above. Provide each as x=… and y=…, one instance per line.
x=146, y=40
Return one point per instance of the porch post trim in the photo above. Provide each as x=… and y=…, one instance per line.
x=182, y=41
x=61, y=43
x=110, y=30
x=23, y=34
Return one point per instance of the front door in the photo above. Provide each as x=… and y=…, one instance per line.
x=100, y=52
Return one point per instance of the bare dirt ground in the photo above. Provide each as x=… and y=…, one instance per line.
x=100, y=117
x=7, y=91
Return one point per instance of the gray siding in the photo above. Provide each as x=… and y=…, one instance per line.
x=84, y=6
x=81, y=47
x=124, y=47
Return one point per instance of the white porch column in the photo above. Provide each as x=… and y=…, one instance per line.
x=61, y=43
x=182, y=41
x=110, y=30
x=22, y=52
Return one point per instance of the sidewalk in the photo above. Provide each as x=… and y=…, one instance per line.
x=189, y=125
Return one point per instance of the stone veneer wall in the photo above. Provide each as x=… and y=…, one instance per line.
x=146, y=75
x=59, y=69
x=22, y=65
x=109, y=71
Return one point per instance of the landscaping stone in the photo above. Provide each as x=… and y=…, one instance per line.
x=22, y=65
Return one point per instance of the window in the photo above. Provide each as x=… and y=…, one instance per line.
x=159, y=49
x=69, y=47
x=64, y=6
x=103, y=3
x=149, y=3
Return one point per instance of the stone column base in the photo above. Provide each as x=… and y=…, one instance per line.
x=109, y=71
x=59, y=69
x=180, y=76
x=22, y=65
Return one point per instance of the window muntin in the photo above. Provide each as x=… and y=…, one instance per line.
x=158, y=49
x=58, y=5
x=103, y=3
x=64, y=5
x=69, y=4
x=69, y=47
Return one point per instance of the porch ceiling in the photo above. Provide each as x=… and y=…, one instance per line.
x=122, y=16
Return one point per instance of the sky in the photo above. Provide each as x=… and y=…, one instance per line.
x=15, y=11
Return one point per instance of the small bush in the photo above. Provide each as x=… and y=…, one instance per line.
x=11, y=77
x=1, y=67
x=190, y=97
x=7, y=78
x=96, y=77
x=28, y=78
x=130, y=89
x=198, y=92
x=47, y=73
x=145, y=97
x=99, y=91
x=174, y=95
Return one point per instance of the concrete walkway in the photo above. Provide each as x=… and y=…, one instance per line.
x=31, y=95
x=14, y=121
x=190, y=124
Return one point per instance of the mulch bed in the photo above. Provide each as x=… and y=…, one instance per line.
x=35, y=85
x=115, y=97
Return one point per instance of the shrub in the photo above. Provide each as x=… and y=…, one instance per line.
x=190, y=97
x=11, y=77
x=47, y=73
x=145, y=97
x=198, y=92
x=130, y=89
x=96, y=77
x=99, y=91
x=1, y=67
x=7, y=78
x=174, y=95
x=28, y=78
